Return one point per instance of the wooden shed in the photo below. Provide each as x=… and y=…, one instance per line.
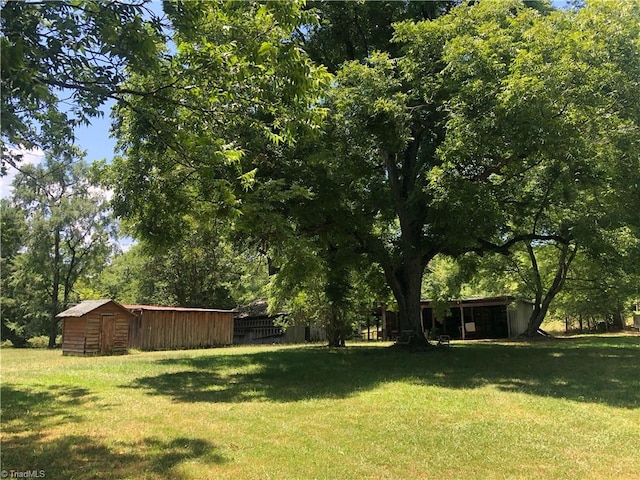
x=254, y=324
x=95, y=327
x=178, y=328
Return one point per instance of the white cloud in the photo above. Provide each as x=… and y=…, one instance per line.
x=106, y=194
x=29, y=157
x=125, y=243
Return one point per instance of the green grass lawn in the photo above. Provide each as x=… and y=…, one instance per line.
x=566, y=408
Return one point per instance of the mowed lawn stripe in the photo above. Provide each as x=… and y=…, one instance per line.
x=554, y=409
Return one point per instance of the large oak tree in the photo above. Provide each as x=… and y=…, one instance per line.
x=498, y=124
x=446, y=143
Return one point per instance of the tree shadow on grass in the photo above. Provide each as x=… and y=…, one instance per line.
x=85, y=457
x=585, y=371
x=33, y=408
x=582, y=370
x=31, y=415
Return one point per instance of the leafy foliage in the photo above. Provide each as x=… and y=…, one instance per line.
x=202, y=270
x=65, y=233
x=237, y=85
x=350, y=31
x=501, y=127
x=61, y=61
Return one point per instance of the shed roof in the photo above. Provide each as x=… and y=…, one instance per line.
x=478, y=301
x=258, y=308
x=174, y=309
x=87, y=306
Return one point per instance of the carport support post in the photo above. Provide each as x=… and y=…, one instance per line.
x=462, y=321
x=383, y=309
x=368, y=328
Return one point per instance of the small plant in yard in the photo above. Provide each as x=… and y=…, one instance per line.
x=43, y=341
x=474, y=410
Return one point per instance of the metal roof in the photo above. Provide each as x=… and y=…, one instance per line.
x=85, y=307
x=477, y=301
x=174, y=309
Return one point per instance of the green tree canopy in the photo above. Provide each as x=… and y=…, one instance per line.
x=62, y=60
x=237, y=86
x=67, y=232
x=350, y=31
x=201, y=270
x=492, y=126
x=498, y=122
x=579, y=172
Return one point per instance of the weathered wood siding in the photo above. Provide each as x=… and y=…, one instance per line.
x=92, y=336
x=86, y=335
x=73, y=336
x=121, y=338
x=180, y=329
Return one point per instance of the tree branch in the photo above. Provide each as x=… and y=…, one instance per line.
x=505, y=248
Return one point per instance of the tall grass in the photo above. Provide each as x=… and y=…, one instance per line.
x=556, y=409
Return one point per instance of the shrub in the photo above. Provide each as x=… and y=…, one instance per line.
x=38, y=342
x=43, y=341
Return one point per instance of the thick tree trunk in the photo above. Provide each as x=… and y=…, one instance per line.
x=336, y=329
x=404, y=274
x=406, y=284
x=53, y=329
x=337, y=290
x=618, y=320
x=537, y=317
x=543, y=299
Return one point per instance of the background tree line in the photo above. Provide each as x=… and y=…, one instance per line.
x=354, y=147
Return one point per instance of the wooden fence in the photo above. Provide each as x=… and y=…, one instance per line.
x=174, y=328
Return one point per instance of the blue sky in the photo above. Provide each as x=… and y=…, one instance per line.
x=95, y=138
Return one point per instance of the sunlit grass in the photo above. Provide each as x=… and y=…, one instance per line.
x=558, y=409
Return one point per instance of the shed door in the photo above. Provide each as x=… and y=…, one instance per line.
x=107, y=333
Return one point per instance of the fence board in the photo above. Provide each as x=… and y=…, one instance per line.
x=163, y=329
